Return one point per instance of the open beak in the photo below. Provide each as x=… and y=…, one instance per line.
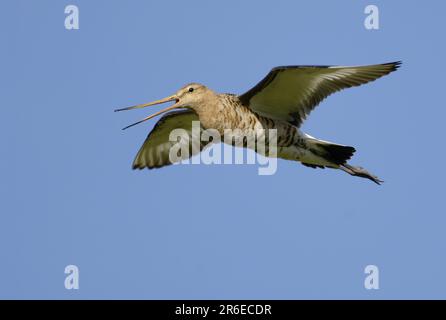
x=168, y=99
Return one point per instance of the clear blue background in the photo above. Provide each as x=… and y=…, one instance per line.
x=69, y=196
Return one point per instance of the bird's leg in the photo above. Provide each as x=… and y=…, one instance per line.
x=360, y=172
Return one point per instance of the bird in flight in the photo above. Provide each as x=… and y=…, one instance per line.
x=281, y=101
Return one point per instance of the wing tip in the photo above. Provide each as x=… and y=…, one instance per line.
x=394, y=65
x=142, y=167
x=137, y=166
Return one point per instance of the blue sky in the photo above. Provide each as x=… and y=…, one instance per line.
x=69, y=196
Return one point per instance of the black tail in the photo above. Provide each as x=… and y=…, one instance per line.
x=335, y=153
x=360, y=172
x=338, y=155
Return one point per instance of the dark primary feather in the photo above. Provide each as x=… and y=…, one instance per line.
x=290, y=93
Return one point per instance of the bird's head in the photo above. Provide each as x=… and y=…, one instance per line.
x=192, y=95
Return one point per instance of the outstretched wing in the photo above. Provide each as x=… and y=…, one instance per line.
x=291, y=93
x=154, y=153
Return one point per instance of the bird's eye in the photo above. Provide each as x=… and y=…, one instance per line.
x=191, y=89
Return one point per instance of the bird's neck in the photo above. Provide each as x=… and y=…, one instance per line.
x=211, y=112
x=225, y=111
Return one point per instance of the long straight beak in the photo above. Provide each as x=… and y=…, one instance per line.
x=139, y=106
x=168, y=99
